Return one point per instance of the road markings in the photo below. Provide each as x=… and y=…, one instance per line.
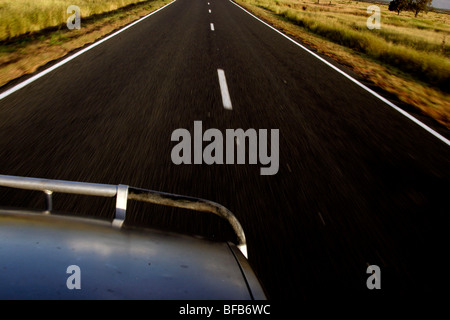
x=226, y=100
x=212, y=26
x=209, y=10
x=404, y=113
x=59, y=64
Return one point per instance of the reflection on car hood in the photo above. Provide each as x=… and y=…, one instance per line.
x=37, y=249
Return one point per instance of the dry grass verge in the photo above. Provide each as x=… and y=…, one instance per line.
x=26, y=53
x=408, y=57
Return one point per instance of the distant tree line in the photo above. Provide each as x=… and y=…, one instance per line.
x=410, y=5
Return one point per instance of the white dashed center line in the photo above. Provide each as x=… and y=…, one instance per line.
x=212, y=26
x=224, y=90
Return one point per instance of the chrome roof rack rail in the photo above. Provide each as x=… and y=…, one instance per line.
x=124, y=193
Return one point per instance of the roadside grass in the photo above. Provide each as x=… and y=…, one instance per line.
x=408, y=56
x=27, y=52
x=19, y=17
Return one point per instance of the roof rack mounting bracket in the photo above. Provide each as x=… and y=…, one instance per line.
x=121, y=205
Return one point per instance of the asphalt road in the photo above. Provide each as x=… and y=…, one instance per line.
x=358, y=183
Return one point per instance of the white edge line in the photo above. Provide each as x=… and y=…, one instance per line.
x=406, y=114
x=226, y=100
x=73, y=56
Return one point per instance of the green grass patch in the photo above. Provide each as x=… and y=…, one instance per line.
x=19, y=17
